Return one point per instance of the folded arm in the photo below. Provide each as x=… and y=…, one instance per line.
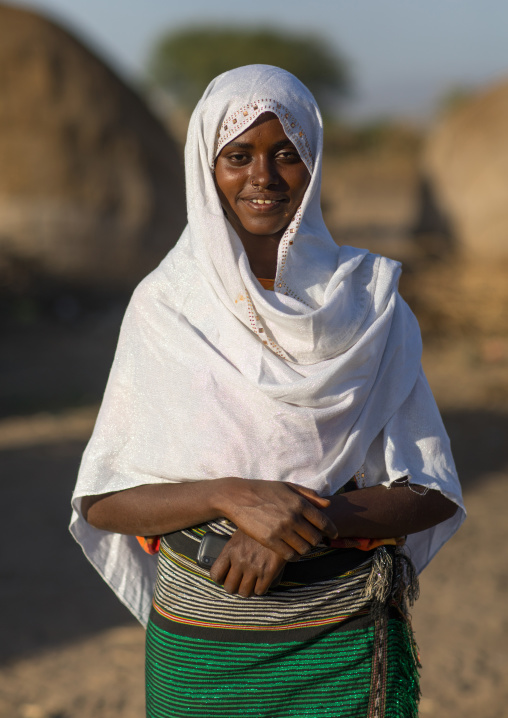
x=382, y=512
x=285, y=520
x=277, y=522
x=246, y=567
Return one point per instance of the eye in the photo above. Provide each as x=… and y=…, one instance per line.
x=288, y=154
x=237, y=158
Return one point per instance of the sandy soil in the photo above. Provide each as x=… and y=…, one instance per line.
x=70, y=650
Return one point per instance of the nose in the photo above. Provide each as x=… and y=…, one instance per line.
x=264, y=173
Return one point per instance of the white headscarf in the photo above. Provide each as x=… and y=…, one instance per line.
x=215, y=376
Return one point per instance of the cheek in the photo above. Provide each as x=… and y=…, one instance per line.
x=305, y=182
x=299, y=183
x=221, y=185
x=225, y=177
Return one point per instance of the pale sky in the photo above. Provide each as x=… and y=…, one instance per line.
x=405, y=54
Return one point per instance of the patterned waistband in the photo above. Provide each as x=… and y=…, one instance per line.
x=186, y=600
x=321, y=564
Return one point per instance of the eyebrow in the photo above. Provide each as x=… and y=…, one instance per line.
x=249, y=146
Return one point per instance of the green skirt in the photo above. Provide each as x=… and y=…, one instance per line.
x=318, y=645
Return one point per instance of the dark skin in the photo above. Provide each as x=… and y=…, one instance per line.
x=261, y=165
x=277, y=522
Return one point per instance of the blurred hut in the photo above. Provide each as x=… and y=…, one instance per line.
x=463, y=220
x=466, y=163
x=91, y=184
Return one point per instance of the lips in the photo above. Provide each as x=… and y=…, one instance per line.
x=264, y=202
x=265, y=197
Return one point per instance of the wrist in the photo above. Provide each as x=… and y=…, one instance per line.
x=221, y=496
x=338, y=513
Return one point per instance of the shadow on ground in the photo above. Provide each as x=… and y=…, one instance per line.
x=49, y=593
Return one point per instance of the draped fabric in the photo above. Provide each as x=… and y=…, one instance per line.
x=214, y=376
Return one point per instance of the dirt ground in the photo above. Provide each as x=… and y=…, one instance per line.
x=68, y=649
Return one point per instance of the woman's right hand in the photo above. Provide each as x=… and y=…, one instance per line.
x=285, y=519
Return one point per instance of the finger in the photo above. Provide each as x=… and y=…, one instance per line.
x=303, y=536
x=268, y=580
x=220, y=568
x=233, y=580
x=284, y=550
x=321, y=521
x=299, y=544
x=309, y=534
x=310, y=495
x=246, y=587
x=262, y=586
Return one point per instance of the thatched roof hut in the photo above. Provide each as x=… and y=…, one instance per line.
x=91, y=184
x=466, y=162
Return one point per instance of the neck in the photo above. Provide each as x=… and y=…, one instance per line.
x=262, y=254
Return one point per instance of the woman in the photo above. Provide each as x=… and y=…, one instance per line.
x=267, y=387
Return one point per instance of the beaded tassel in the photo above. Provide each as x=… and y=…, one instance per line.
x=392, y=577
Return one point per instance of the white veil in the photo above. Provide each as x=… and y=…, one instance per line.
x=215, y=376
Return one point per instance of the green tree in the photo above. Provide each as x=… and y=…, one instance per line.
x=184, y=62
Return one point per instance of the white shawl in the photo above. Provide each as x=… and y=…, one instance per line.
x=215, y=376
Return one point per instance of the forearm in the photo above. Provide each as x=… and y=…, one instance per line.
x=381, y=512
x=155, y=509
x=270, y=512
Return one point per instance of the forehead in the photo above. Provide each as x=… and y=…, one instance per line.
x=237, y=119
x=264, y=119
x=266, y=129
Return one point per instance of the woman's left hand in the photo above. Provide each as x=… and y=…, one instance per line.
x=246, y=567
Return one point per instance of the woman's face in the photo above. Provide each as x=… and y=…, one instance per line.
x=261, y=180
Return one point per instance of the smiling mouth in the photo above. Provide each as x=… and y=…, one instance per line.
x=264, y=205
